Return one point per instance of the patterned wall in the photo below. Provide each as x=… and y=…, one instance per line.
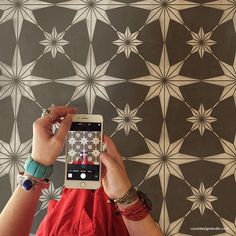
x=163, y=75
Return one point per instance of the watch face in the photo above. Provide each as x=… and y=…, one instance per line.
x=27, y=184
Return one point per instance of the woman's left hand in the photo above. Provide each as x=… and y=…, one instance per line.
x=115, y=179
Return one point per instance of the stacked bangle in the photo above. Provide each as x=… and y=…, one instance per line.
x=136, y=211
x=129, y=197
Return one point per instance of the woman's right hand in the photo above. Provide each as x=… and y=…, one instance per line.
x=47, y=145
x=115, y=180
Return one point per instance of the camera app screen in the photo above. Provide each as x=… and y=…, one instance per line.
x=83, y=151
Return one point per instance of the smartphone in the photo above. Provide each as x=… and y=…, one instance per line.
x=82, y=149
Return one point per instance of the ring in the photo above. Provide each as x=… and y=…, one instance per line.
x=46, y=112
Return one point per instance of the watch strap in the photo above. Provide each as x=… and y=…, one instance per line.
x=37, y=170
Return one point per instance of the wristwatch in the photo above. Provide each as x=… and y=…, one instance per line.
x=29, y=183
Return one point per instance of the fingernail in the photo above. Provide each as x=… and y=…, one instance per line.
x=104, y=146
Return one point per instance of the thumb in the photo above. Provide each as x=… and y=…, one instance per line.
x=64, y=127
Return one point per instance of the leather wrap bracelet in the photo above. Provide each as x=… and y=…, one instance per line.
x=136, y=211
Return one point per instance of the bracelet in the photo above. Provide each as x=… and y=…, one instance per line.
x=29, y=183
x=137, y=211
x=129, y=197
x=34, y=169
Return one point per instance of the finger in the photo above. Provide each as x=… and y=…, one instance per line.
x=112, y=150
x=61, y=111
x=107, y=160
x=104, y=170
x=64, y=127
x=110, y=146
x=56, y=113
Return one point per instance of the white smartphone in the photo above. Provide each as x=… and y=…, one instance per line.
x=83, y=147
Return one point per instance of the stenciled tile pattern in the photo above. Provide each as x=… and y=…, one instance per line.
x=163, y=75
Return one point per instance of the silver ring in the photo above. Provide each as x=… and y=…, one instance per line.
x=46, y=112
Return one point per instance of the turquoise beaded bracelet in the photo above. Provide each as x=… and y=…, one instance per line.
x=37, y=170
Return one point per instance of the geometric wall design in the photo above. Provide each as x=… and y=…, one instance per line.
x=163, y=75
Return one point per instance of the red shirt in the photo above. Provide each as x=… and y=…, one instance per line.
x=82, y=213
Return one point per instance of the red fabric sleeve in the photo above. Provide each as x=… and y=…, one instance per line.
x=82, y=213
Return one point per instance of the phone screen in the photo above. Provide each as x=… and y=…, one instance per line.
x=83, y=151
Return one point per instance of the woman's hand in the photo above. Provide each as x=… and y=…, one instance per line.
x=46, y=145
x=115, y=180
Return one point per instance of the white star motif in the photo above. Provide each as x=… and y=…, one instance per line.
x=201, y=119
x=95, y=153
x=164, y=159
x=164, y=11
x=127, y=42
x=201, y=42
x=54, y=42
x=17, y=79
x=228, y=80
x=95, y=141
x=91, y=10
x=71, y=141
x=13, y=156
x=229, y=8
x=90, y=81
x=173, y=228
x=72, y=153
x=83, y=141
x=229, y=227
x=228, y=159
x=202, y=198
x=19, y=10
x=49, y=194
x=127, y=119
x=164, y=81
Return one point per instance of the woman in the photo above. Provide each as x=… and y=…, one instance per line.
x=17, y=216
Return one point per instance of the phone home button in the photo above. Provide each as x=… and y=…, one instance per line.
x=82, y=184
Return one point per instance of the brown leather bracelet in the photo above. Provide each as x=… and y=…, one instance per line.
x=136, y=211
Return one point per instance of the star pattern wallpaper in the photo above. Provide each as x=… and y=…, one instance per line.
x=163, y=75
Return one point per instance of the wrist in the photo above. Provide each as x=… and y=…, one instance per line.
x=132, y=208
x=42, y=161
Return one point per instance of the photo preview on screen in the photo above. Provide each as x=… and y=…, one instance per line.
x=83, y=151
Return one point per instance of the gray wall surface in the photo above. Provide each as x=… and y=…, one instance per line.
x=163, y=75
